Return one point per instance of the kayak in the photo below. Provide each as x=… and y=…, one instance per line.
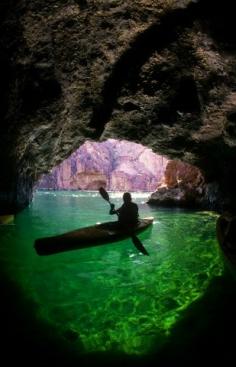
x=97, y=234
x=228, y=251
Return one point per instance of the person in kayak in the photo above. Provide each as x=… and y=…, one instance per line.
x=128, y=215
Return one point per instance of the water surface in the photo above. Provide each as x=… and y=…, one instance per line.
x=111, y=297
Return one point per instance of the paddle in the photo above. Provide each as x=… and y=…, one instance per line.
x=136, y=241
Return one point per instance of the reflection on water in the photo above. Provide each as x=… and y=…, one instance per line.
x=111, y=297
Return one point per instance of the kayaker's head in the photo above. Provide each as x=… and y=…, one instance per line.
x=127, y=197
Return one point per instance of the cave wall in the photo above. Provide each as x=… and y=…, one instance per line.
x=160, y=73
x=182, y=185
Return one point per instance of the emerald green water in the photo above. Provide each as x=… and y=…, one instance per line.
x=111, y=297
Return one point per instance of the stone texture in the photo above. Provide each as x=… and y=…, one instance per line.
x=160, y=73
x=116, y=165
x=182, y=185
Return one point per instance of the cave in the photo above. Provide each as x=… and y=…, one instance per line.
x=161, y=74
x=113, y=164
x=119, y=165
x=170, y=88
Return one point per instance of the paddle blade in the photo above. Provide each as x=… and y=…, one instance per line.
x=104, y=194
x=138, y=244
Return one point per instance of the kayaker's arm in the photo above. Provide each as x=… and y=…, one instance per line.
x=113, y=210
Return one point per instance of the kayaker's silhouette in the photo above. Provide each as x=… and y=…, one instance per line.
x=128, y=213
x=129, y=226
x=99, y=233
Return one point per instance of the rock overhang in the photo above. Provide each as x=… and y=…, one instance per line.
x=161, y=77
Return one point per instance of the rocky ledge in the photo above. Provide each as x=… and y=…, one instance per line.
x=183, y=185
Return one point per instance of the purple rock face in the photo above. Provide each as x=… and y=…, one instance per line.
x=116, y=165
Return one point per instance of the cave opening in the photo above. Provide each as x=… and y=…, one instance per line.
x=122, y=165
x=111, y=301
x=105, y=298
x=117, y=165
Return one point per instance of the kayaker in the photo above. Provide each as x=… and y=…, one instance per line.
x=128, y=213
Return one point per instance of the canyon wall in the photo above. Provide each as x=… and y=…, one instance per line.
x=125, y=166
x=115, y=165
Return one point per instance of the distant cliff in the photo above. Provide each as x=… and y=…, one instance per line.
x=116, y=165
x=125, y=166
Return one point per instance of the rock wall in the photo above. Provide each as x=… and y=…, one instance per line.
x=125, y=166
x=159, y=73
x=116, y=165
x=182, y=185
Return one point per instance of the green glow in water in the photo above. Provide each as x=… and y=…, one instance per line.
x=111, y=297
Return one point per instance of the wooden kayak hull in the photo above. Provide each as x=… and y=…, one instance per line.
x=86, y=237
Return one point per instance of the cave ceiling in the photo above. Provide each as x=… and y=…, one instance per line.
x=160, y=73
